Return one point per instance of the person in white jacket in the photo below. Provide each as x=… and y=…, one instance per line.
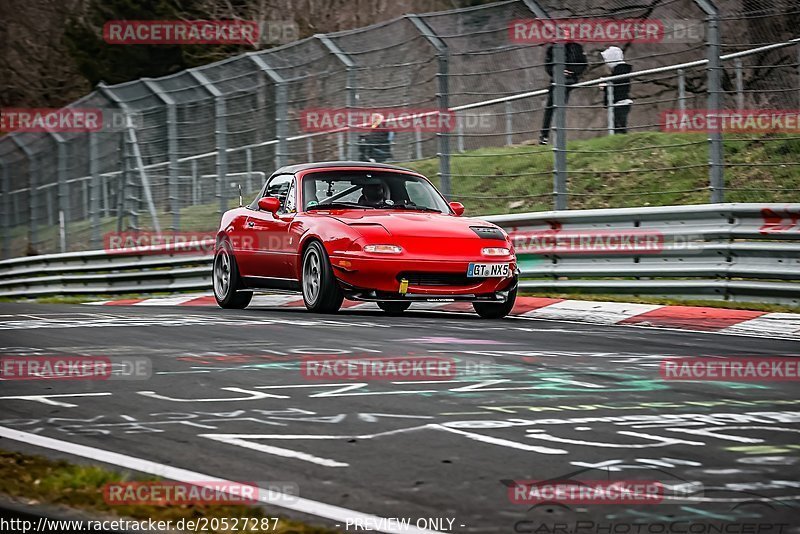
x=619, y=90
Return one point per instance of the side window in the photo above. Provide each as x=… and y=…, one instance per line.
x=289, y=205
x=278, y=187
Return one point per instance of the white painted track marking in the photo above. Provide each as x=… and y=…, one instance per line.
x=770, y=323
x=272, y=498
x=165, y=301
x=593, y=312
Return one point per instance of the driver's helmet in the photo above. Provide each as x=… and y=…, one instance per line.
x=373, y=193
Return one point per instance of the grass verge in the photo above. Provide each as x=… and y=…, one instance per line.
x=39, y=480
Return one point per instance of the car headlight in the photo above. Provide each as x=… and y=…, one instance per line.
x=383, y=249
x=495, y=251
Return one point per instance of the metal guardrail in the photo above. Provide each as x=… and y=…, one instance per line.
x=738, y=252
x=145, y=270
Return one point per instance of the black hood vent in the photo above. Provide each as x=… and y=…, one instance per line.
x=487, y=232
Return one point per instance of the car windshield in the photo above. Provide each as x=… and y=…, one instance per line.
x=371, y=190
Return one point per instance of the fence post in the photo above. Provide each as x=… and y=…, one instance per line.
x=133, y=192
x=172, y=150
x=352, y=103
x=63, y=194
x=559, y=101
x=122, y=183
x=442, y=97
x=248, y=162
x=716, y=169
x=281, y=108
x=681, y=90
x=195, y=189
x=94, y=197
x=560, y=145
x=351, y=89
x=739, y=83
x=609, y=94
x=105, y=186
x=460, y=118
x=798, y=75
x=5, y=252
x=131, y=147
x=509, y=124
x=222, y=152
x=221, y=134
x=33, y=233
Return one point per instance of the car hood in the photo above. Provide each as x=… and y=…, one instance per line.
x=413, y=223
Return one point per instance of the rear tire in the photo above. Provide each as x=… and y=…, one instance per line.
x=491, y=310
x=321, y=291
x=226, y=280
x=393, y=308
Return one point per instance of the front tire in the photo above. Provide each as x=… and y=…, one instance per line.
x=491, y=310
x=226, y=280
x=321, y=291
x=393, y=308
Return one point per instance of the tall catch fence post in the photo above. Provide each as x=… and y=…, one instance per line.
x=681, y=90
x=63, y=198
x=281, y=110
x=33, y=204
x=220, y=129
x=172, y=150
x=5, y=251
x=715, y=139
x=610, y=111
x=122, y=184
x=442, y=98
x=351, y=90
x=97, y=190
x=737, y=65
x=134, y=160
x=131, y=197
x=559, y=102
x=509, y=124
x=560, y=112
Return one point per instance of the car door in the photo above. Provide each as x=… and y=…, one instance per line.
x=267, y=235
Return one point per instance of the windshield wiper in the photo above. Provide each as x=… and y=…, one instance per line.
x=338, y=204
x=413, y=207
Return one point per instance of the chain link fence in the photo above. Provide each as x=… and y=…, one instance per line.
x=173, y=150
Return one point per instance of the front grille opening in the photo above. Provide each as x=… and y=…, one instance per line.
x=420, y=278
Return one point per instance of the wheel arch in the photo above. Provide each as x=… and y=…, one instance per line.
x=305, y=242
x=221, y=237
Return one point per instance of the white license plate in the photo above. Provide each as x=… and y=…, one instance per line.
x=487, y=270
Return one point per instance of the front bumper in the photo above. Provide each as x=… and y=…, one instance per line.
x=372, y=279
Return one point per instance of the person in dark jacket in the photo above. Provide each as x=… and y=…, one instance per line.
x=574, y=65
x=375, y=145
x=619, y=91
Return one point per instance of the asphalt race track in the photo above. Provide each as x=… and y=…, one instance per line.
x=549, y=400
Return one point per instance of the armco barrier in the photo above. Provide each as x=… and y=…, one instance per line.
x=146, y=270
x=739, y=252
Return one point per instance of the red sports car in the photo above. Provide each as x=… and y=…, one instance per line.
x=365, y=232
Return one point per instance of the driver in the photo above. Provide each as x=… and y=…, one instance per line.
x=372, y=195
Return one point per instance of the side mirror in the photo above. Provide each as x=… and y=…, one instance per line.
x=270, y=204
x=458, y=208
